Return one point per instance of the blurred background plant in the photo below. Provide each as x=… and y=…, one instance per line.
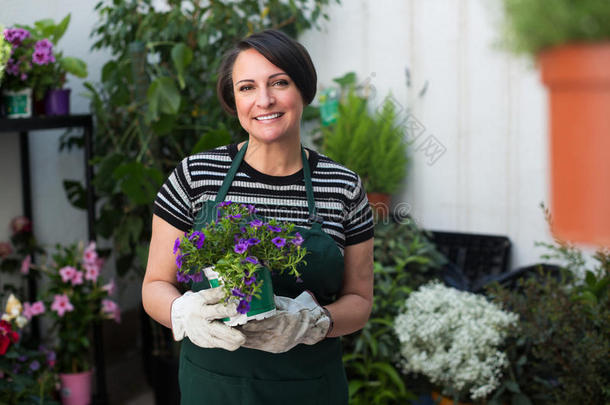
x=531, y=26
x=5, y=53
x=27, y=374
x=34, y=62
x=404, y=259
x=156, y=102
x=75, y=298
x=561, y=346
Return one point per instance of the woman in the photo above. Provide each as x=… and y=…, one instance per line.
x=293, y=357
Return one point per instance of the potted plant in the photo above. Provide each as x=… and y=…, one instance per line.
x=36, y=70
x=27, y=374
x=239, y=252
x=454, y=338
x=75, y=299
x=5, y=53
x=372, y=144
x=571, y=43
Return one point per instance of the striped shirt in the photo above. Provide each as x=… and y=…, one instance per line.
x=340, y=198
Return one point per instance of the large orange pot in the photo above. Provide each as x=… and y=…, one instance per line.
x=578, y=78
x=380, y=204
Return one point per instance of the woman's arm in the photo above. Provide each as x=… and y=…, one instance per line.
x=353, y=308
x=159, y=286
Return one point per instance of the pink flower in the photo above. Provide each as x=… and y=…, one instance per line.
x=67, y=273
x=111, y=310
x=30, y=310
x=90, y=254
x=5, y=249
x=25, y=265
x=21, y=224
x=110, y=287
x=61, y=304
x=77, y=278
x=91, y=272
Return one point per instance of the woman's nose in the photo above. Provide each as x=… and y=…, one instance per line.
x=264, y=98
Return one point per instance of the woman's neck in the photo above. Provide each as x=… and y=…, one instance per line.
x=274, y=159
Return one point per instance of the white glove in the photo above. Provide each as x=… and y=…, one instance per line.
x=299, y=320
x=196, y=315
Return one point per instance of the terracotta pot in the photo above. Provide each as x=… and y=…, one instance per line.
x=76, y=388
x=578, y=78
x=380, y=204
x=446, y=401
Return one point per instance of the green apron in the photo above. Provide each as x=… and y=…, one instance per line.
x=306, y=374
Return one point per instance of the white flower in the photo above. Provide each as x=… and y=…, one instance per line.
x=452, y=337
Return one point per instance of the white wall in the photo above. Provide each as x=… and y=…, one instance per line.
x=480, y=160
x=484, y=108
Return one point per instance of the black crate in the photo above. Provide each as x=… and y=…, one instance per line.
x=478, y=256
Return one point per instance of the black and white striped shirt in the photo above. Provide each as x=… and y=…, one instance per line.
x=340, y=197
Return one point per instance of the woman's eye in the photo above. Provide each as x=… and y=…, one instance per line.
x=281, y=82
x=244, y=88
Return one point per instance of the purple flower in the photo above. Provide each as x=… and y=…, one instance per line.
x=298, y=239
x=299, y=280
x=279, y=242
x=179, y=260
x=24, y=77
x=253, y=241
x=274, y=228
x=256, y=223
x=225, y=204
x=237, y=293
x=12, y=67
x=44, y=44
x=250, y=280
x=236, y=216
x=249, y=207
x=176, y=245
x=22, y=358
x=200, y=237
x=243, y=307
x=182, y=278
x=240, y=248
x=16, y=35
x=35, y=365
x=197, y=277
x=252, y=259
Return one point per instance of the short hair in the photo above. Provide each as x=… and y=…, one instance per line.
x=279, y=49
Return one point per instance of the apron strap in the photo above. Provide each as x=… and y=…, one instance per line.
x=226, y=184
x=311, y=202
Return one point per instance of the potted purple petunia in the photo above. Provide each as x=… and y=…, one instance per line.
x=238, y=252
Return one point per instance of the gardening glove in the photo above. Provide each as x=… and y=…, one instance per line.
x=196, y=315
x=299, y=320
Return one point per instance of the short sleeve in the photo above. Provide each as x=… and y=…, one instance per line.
x=358, y=224
x=173, y=201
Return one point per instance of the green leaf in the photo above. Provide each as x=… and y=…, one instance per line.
x=520, y=399
x=354, y=386
x=75, y=66
x=211, y=140
x=76, y=193
x=512, y=386
x=139, y=183
x=389, y=370
x=61, y=28
x=162, y=96
x=182, y=56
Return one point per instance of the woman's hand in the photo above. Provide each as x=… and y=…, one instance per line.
x=299, y=320
x=195, y=315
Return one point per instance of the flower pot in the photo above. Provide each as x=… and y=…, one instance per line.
x=76, y=388
x=446, y=401
x=578, y=79
x=380, y=204
x=17, y=104
x=57, y=102
x=260, y=308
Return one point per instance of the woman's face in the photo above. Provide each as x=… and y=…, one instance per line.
x=269, y=105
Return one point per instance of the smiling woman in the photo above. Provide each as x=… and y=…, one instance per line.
x=293, y=356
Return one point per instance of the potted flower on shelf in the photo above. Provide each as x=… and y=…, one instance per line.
x=454, y=339
x=75, y=299
x=373, y=144
x=240, y=252
x=35, y=69
x=571, y=43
